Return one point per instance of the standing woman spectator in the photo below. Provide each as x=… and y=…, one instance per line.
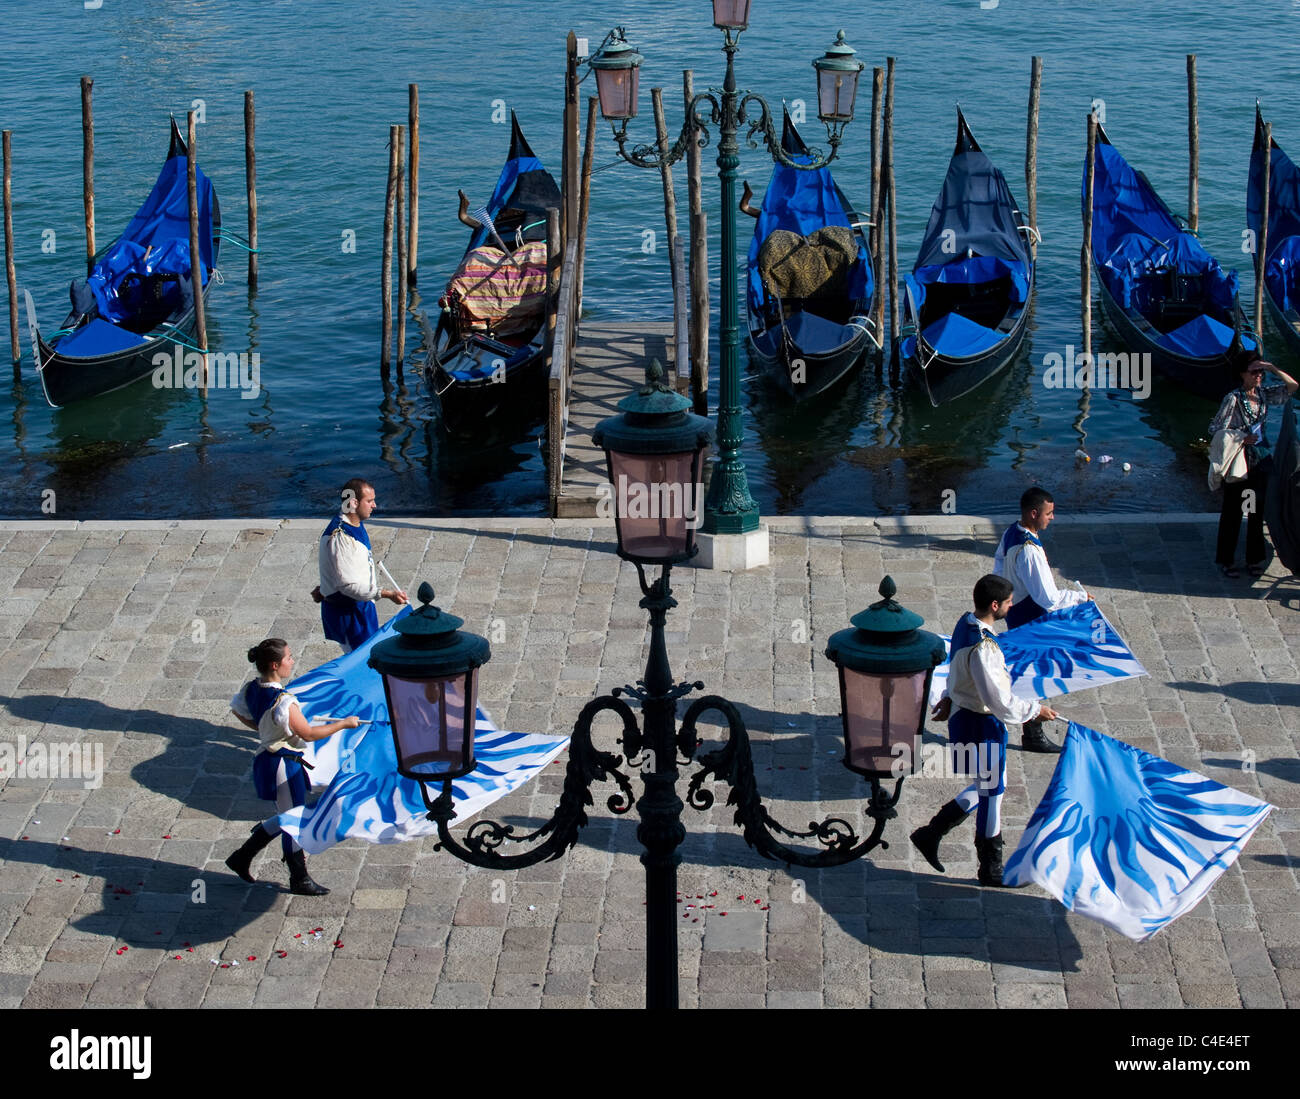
x=1246, y=409
x=266, y=707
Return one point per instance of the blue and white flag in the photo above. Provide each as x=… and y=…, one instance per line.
x=1061, y=652
x=1129, y=839
x=366, y=798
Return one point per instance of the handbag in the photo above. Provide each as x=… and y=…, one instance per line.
x=1227, y=457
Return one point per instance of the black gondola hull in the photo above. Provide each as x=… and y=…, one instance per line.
x=946, y=379
x=69, y=378
x=802, y=374
x=511, y=395
x=1210, y=376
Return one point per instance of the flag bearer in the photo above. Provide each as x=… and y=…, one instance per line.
x=266, y=707
x=1021, y=559
x=977, y=703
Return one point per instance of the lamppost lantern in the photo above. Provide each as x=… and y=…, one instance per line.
x=618, y=76
x=886, y=662
x=430, y=673
x=654, y=452
x=837, y=81
x=731, y=14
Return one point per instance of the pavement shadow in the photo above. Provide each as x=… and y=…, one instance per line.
x=1270, y=691
x=225, y=752
x=143, y=896
x=888, y=909
x=1288, y=770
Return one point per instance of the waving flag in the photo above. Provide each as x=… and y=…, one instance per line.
x=1129, y=839
x=1061, y=652
x=366, y=798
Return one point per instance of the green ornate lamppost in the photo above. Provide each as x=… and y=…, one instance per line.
x=729, y=508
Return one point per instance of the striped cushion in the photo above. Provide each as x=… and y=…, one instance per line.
x=508, y=296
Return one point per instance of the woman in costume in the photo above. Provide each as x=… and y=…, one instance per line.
x=266, y=707
x=1246, y=409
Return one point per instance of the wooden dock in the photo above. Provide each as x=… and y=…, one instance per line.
x=609, y=363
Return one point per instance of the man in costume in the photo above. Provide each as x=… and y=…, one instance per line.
x=977, y=703
x=348, y=586
x=1021, y=559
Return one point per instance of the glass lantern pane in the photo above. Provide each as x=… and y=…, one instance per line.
x=731, y=13
x=656, y=504
x=432, y=719
x=618, y=92
x=836, y=93
x=882, y=711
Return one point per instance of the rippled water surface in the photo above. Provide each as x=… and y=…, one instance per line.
x=330, y=77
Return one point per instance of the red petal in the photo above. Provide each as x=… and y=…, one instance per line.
x=338, y=944
x=765, y=908
x=60, y=880
x=298, y=936
x=721, y=913
x=117, y=831
x=252, y=957
x=283, y=953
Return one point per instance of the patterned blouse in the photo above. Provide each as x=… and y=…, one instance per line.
x=1240, y=412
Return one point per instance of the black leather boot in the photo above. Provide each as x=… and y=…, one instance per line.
x=1033, y=739
x=241, y=861
x=989, y=849
x=926, y=838
x=299, y=880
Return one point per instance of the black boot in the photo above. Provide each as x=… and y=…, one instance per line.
x=241, y=861
x=1033, y=739
x=299, y=880
x=926, y=838
x=989, y=849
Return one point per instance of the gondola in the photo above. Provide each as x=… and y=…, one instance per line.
x=487, y=367
x=810, y=290
x=136, y=301
x=1282, y=259
x=966, y=302
x=1164, y=293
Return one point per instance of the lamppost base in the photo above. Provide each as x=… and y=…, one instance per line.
x=733, y=552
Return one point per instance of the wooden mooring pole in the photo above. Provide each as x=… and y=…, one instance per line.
x=196, y=254
x=1085, y=253
x=666, y=176
x=1193, y=148
x=554, y=263
x=88, y=166
x=402, y=230
x=584, y=200
x=876, y=234
x=10, y=276
x=570, y=165
x=1261, y=245
x=413, y=185
x=895, y=319
x=699, y=232
x=386, y=273
x=250, y=179
x=1031, y=150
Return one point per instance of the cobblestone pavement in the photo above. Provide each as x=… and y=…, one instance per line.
x=133, y=637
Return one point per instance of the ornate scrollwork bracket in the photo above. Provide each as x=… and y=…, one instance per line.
x=764, y=126
x=587, y=765
x=694, y=128
x=733, y=764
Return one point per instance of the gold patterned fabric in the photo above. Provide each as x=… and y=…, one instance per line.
x=815, y=266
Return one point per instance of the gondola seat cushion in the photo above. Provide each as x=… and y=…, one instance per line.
x=98, y=338
x=1200, y=336
x=492, y=292
x=795, y=267
x=815, y=335
x=956, y=337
